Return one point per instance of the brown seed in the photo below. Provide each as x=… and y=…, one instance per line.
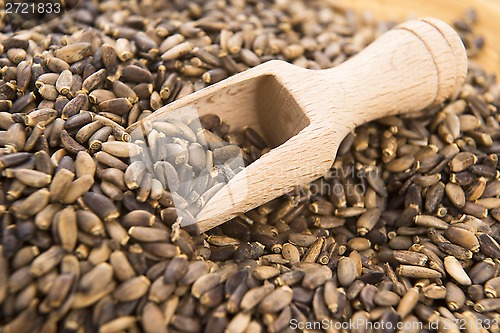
x=222, y=240
x=64, y=82
x=124, y=49
x=16, y=55
x=46, y=78
x=138, y=218
x=463, y=238
x=23, y=257
x=314, y=251
x=359, y=244
x=368, y=220
x=32, y=177
x=23, y=79
x=89, y=222
x=492, y=189
x=66, y=225
x=77, y=188
x=349, y=211
x=15, y=137
x=321, y=207
x=33, y=204
x=408, y=302
x=488, y=245
x=59, y=290
x=276, y=300
x=46, y=261
x=13, y=159
x=386, y=298
x=489, y=203
x=346, y=271
x=136, y=74
x=121, y=149
x=400, y=164
x=434, y=196
x=316, y=277
x=462, y=161
x=122, y=268
x=487, y=304
x=118, y=324
x=56, y=65
x=119, y=106
x=455, y=270
x=189, y=324
x=146, y=234
x=204, y=283
x=456, y=194
x=121, y=90
x=455, y=297
x=132, y=289
x=239, y=323
x=410, y=257
x=40, y=117
x=98, y=137
x=97, y=278
x=70, y=144
x=73, y=107
x=476, y=190
x=177, y=51
x=81, y=300
x=418, y=272
x=85, y=133
x=492, y=287
x=160, y=290
x=62, y=180
x=430, y=221
x=153, y=318
x=134, y=174
x=98, y=96
x=482, y=271
x=254, y=296
x=35, y=135
x=101, y=206
x=84, y=165
x=452, y=249
x=195, y=270
x=6, y=118
x=116, y=231
x=291, y=253
x=177, y=267
x=94, y=81
x=214, y=75
x=301, y=239
x=331, y=296
x=73, y=52
x=289, y=278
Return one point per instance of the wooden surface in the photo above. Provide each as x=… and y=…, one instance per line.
x=447, y=10
x=306, y=114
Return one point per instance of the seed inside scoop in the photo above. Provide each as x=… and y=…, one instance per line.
x=190, y=158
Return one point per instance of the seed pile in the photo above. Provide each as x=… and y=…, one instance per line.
x=404, y=227
x=189, y=160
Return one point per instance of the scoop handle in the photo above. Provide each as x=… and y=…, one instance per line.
x=417, y=64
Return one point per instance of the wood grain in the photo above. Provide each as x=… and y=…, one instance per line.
x=488, y=23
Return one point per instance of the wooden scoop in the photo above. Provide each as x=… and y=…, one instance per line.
x=305, y=114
